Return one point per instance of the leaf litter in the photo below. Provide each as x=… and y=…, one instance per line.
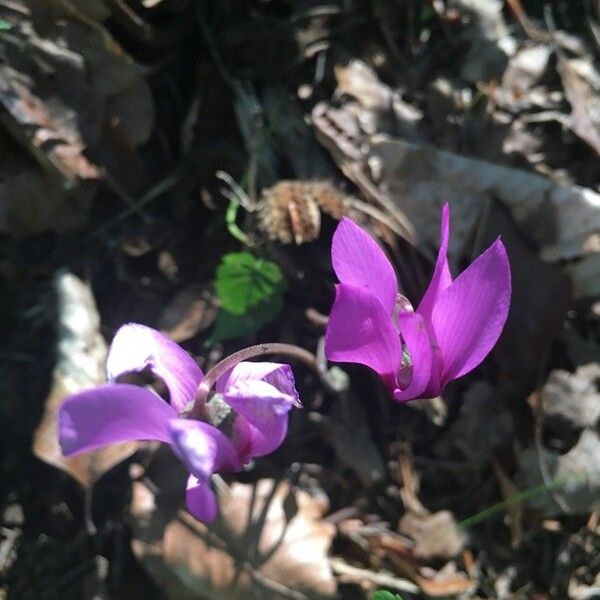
x=380, y=112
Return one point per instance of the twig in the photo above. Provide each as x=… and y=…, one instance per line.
x=341, y=567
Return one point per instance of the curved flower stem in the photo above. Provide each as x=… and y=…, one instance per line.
x=232, y=360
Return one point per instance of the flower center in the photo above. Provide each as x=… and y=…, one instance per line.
x=404, y=374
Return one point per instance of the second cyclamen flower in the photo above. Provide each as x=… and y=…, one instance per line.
x=252, y=405
x=454, y=327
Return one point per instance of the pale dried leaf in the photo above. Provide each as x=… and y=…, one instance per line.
x=577, y=472
x=490, y=43
x=436, y=535
x=573, y=398
x=81, y=359
x=360, y=81
x=280, y=553
x=581, y=83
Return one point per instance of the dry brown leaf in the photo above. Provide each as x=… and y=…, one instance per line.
x=581, y=82
x=81, y=359
x=436, y=535
x=191, y=310
x=32, y=202
x=562, y=220
x=490, y=43
x=445, y=582
x=282, y=553
x=358, y=80
x=65, y=85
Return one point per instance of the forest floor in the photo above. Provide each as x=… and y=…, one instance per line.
x=145, y=141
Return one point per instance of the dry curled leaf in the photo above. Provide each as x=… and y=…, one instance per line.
x=268, y=542
x=81, y=359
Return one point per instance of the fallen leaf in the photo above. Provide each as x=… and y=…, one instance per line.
x=268, y=542
x=436, y=535
x=447, y=581
x=421, y=178
x=581, y=82
x=573, y=399
x=81, y=359
x=31, y=202
x=65, y=87
x=490, y=43
x=360, y=81
x=191, y=310
x=575, y=476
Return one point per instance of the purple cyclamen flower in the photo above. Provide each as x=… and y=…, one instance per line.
x=260, y=394
x=455, y=326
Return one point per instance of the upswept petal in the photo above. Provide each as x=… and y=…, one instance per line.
x=202, y=448
x=417, y=340
x=112, y=413
x=470, y=314
x=441, y=278
x=359, y=261
x=360, y=330
x=200, y=500
x=136, y=347
x=259, y=390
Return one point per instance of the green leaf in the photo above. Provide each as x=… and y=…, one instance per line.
x=5, y=25
x=229, y=326
x=243, y=281
x=384, y=595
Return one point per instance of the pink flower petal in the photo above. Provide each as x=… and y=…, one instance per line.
x=359, y=261
x=112, y=413
x=360, y=330
x=136, y=347
x=262, y=394
x=200, y=500
x=441, y=278
x=260, y=389
x=202, y=448
x=262, y=438
x=417, y=340
x=470, y=314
